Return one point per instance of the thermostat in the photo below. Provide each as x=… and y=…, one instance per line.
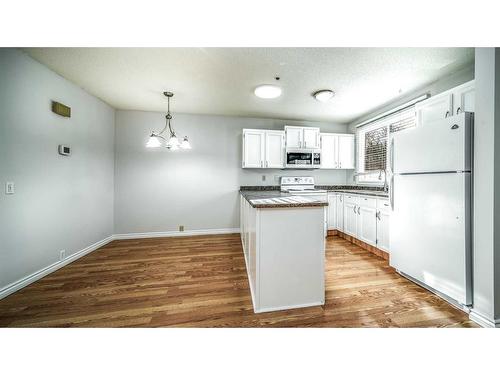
x=64, y=150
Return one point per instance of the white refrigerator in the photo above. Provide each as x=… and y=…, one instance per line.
x=431, y=201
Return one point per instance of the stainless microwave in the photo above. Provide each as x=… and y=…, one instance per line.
x=303, y=159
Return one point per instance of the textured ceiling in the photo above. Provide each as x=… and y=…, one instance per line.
x=221, y=80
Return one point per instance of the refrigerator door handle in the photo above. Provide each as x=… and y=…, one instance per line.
x=391, y=195
x=391, y=155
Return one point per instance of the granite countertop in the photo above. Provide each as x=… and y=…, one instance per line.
x=350, y=189
x=276, y=199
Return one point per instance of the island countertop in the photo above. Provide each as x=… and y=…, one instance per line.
x=278, y=199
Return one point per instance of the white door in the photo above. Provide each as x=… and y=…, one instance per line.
x=437, y=146
x=350, y=219
x=367, y=225
x=253, y=149
x=293, y=136
x=275, y=149
x=464, y=98
x=435, y=108
x=329, y=151
x=332, y=211
x=383, y=230
x=346, y=151
x=430, y=231
x=340, y=212
x=311, y=138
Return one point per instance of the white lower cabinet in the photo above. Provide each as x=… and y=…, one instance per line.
x=351, y=215
x=363, y=217
x=383, y=215
x=340, y=212
x=367, y=220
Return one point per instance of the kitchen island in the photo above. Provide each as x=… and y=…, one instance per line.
x=283, y=239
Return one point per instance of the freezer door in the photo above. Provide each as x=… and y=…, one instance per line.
x=430, y=231
x=438, y=146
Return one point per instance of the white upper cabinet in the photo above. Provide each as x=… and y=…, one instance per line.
x=464, y=98
x=434, y=108
x=294, y=135
x=263, y=148
x=346, y=151
x=253, y=148
x=337, y=151
x=275, y=149
x=448, y=103
x=311, y=138
x=302, y=137
x=329, y=151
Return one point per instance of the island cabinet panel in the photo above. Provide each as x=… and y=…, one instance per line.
x=284, y=252
x=291, y=258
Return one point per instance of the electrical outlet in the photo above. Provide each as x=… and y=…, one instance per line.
x=62, y=254
x=263, y=177
x=181, y=228
x=9, y=187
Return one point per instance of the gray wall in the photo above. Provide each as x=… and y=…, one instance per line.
x=61, y=203
x=487, y=184
x=157, y=190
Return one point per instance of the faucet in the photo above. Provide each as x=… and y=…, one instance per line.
x=386, y=186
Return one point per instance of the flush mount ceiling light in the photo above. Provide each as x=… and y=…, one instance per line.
x=267, y=91
x=172, y=142
x=324, y=95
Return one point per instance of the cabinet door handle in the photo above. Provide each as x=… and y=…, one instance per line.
x=354, y=209
x=459, y=110
x=267, y=164
x=359, y=209
x=446, y=114
x=262, y=164
x=300, y=144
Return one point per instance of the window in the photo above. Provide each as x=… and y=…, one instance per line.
x=373, y=140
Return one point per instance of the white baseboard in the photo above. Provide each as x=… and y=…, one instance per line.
x=483, y=321
x=25, y=281
x=194, y=232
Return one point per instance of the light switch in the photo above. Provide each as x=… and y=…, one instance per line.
x=9, y=187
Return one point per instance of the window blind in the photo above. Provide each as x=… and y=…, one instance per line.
x=375, y=149
x=373, y=140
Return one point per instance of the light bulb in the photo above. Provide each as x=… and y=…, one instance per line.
x=267, y=91
x=173, y=141
x=185, y=144
x=153, y=142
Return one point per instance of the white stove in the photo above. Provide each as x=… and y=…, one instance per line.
x=299, y=186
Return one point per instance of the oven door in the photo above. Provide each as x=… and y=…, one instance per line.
x=297, y=159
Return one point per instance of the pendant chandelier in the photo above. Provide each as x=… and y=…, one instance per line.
x=171, y=142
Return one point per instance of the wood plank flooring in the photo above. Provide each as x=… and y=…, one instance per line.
x=201, y=282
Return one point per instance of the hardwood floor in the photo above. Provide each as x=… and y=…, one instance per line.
x=202, y=282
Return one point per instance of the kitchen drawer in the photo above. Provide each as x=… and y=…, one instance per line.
x=383, y=204
x=351, y=198
x=368, y=201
